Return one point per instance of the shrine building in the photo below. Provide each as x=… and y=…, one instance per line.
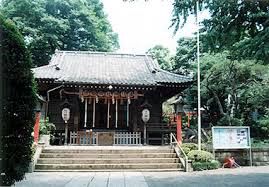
x=107, y=94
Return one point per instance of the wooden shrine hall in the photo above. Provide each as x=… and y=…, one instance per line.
x=106, y=94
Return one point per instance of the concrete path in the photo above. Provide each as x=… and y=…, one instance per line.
x=240, y=177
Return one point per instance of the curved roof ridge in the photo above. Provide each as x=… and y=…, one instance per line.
x=175, y=74
x=104, y=53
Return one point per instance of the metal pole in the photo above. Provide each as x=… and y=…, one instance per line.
x=198, y=77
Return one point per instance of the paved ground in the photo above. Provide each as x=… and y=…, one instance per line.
x=240, y=177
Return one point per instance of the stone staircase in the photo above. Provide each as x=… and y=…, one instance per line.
x=108, y=158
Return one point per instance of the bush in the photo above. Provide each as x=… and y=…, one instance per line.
x=200, y=156
x=198, y=166
x=186, y=150
x=18, y=103
x=46, y=127
x=191, y=146
x=187, y=147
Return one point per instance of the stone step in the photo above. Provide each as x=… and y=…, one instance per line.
x=105, y=161
x=107, y=166
x=82, y=155
x=112, y=151
x=111, y=170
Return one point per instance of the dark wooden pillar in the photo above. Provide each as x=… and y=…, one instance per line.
x=134, y=115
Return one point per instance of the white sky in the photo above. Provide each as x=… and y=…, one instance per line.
x=142, y=25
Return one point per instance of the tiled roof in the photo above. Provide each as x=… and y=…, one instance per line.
x=106, y=68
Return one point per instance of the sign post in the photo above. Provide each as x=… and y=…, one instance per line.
x=145, y=118
x=232, y=137
x=66, y=117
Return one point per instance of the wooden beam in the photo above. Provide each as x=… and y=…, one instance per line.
x=127, y=117
x=85, y=114
x=116, y=125
x=108, y=108
x=93, y=114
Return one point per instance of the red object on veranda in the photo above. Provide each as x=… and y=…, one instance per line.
x=36, y=127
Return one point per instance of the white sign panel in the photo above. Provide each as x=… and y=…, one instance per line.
x=66, y=114
x=231, y=137
x=145, y=115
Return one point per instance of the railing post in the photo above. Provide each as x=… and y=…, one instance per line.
x=171, y=140
x=186, y=164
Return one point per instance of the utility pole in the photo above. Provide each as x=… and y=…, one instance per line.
x=198, y=77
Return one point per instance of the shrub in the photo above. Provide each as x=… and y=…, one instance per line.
x=186, y=150
x=46, y=127
x=191, y=146
x=187, y=147
x=18, y=103
x=200, y=156
x=214, y=164
x=198, y=166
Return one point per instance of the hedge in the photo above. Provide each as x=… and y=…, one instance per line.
x=198, y=166
x=200, y=156
x=19, y=101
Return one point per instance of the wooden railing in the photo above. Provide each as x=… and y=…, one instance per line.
x=83, y=138
x=127, y=138
x=179, y=151
x=91, y=138
x=160, y=127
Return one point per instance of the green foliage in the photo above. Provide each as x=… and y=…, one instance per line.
x=18, y=104
x=46, y=127
x=162, y=55
x=200, y=156
x=234, y=62
x=186, y=149
x=65, y=25
x=263, y=125
x=191, y=146
x=226, y=120
x=185, y=56
x=199, y=166
x=240, y=26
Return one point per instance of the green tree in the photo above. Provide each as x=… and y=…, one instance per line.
x=185, y=56
x=65, y=25
x=233, y=92
x=18, y=101
x=240, y=26
x=162, y=55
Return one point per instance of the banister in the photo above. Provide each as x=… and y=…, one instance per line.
x=174, y=140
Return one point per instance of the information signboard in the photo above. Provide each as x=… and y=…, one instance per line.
x=229, y=137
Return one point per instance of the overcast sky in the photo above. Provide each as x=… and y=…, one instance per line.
x=142, y=25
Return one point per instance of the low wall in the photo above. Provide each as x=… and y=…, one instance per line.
x=260, y=156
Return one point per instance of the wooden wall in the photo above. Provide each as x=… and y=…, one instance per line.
x=77, y=112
